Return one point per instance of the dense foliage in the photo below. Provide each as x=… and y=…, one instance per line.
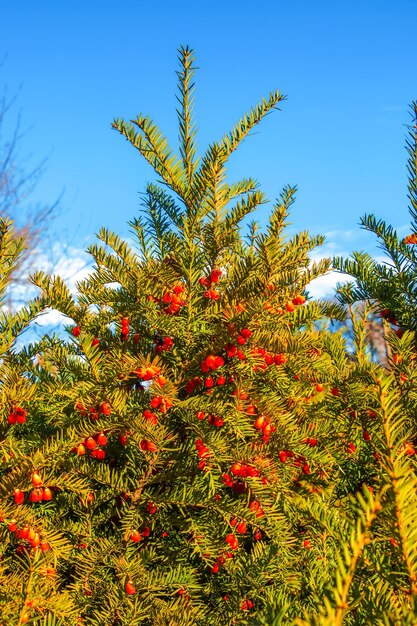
x=195, y=450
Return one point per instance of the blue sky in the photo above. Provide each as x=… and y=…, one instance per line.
x=349, y=70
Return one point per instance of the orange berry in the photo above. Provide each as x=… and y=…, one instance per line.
x=90, y=443
x=36, y=479
x=80, y=449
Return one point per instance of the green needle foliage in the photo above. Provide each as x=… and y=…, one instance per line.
x=194, y=450
x=391, y=285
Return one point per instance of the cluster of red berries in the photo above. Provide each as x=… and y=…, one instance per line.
x=241, y=527
x=232, y=540
x=211, y=294
x=95, y=411
x=203, y=453
x=269, y=359
x=209, y=383
x=38, y=494
x=163, y=345
x=137, y=535
x=17, y=414
x=246, y=605
x=90, y=444
x=212, y=362
x=390, y=317
x=263, y=424
x=28, y=534
x=241, y=338
x=232, y=350
x=244, y=470
x=148, y=373
x=289, y=305
x=220, y=561
x=159, y=403
x=151, y=508
x=125, y=328
x=299, y=461
x=213, y=420
x=172, y=301
x=238, y=486
x=191, y=385
x=213, y=278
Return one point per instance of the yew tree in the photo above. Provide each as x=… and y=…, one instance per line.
x=195, y=450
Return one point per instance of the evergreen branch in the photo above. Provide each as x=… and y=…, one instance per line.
x=153, y=146
x=187, y=133
x=411, y=147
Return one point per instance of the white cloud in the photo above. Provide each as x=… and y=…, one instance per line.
x=324, y=286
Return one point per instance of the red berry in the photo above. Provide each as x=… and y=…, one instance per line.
x=105, y=408
x=218, y=362
x=232, y=541
x=135, y=536
x=215, y=275
x=19, y=496
x=35, y=495
x=319, y=387
x=236, y=469
x=260, y=422
x=76, y=331
x=351, y=448
x=130, y=588
x=101, y=439
x=90, y=443
x=47, y=494
x=210, y=361
x=156, y=402
x=241, y=527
